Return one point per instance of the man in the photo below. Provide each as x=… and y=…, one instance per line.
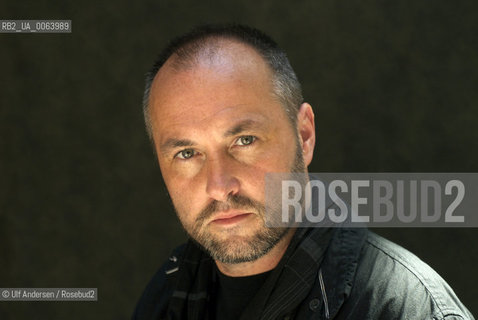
x=223, y=107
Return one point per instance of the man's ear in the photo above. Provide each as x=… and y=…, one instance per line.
x=306, y=130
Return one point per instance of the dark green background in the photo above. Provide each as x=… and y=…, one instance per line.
x=393, y=85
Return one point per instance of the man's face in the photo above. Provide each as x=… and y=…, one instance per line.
x=218, y=130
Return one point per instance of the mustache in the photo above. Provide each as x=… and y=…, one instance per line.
x=237, y=202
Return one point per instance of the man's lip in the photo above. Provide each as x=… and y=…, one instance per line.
x=229, y=216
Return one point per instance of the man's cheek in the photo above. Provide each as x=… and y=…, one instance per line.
x=184, y=203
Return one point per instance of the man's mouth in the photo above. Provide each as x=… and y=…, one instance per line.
x=225, y=219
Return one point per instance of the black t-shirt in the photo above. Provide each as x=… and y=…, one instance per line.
x=233, y=294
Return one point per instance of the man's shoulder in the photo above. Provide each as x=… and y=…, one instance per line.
x=155, y=296
x=398, y=282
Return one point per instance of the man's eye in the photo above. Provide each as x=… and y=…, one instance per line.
x=245, y=140
x=185, y=154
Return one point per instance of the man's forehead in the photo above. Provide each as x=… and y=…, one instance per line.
x=202, y=91
x=238, y=69
x=222, y=122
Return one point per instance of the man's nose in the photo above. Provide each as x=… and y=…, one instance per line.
x=221, y=179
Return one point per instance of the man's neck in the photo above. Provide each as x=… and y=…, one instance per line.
x=265, y=263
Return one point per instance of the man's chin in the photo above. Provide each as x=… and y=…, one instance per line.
x=237, y=253
x=234, y=249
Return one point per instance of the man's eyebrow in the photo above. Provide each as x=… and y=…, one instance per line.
x=243, y=126
x=175, y=143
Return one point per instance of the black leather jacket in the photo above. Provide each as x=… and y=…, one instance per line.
x=325, y=274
